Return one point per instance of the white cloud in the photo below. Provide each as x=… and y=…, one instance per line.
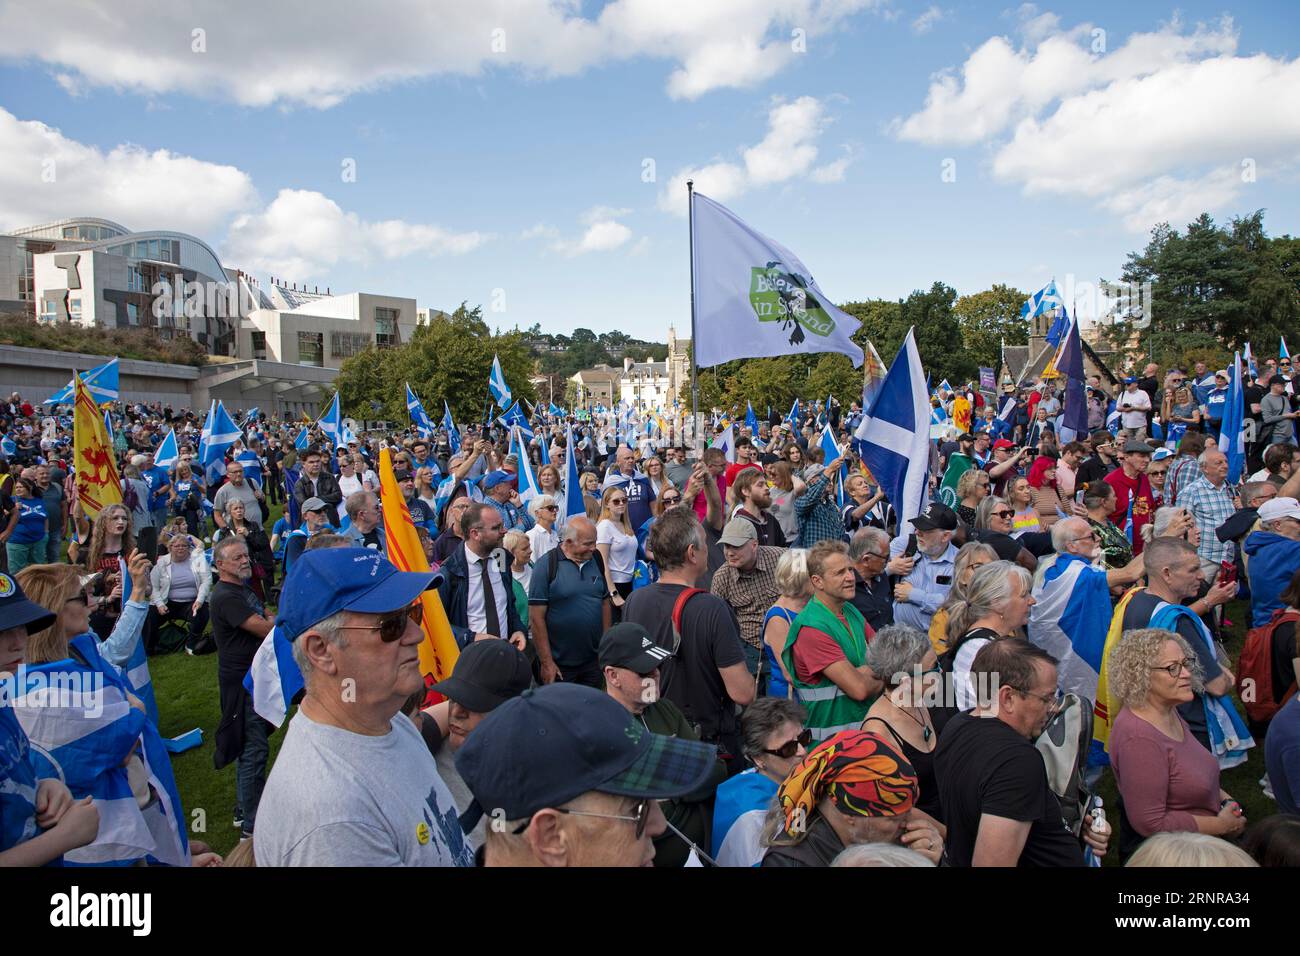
x=303, y=233
x=926, y=21
x=1155, y=131
x=539, y=231
x=139, y=188
x=604, y=233
x=320, y=54
x=787, y=151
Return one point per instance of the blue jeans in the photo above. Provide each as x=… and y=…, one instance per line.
x=54, y=547
x=250, y=769
x=21, y=555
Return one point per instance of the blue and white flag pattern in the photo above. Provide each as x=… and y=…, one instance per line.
x=252, y=467
x=528, y=487
x=331, y=423
x=1232, y=434
x=497, y=385
x=1070, y=621
x=515, y=417
x=1048, y=299
x=453, y=433
x=573, y=503
x=303, y=440
x=727, y=442
x=419, y=417
x=167, y=454
x=895, y=441
x=221, y=433
x=102, y=380
x=274, y=678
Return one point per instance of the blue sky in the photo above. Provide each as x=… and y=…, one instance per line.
x=521, y=169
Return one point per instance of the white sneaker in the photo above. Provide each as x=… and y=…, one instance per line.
x=1267, y=786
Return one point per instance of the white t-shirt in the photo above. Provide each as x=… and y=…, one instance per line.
x=622, y=550
x=542, y=540
x=1140, y=401
x=962, y=685
x=335, y=798
x=348, y=486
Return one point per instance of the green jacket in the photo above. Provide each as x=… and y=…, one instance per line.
x=830, y=710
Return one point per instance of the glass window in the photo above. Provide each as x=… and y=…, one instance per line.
x=386, y=335
x=69, y=232
x=259, y=344
x=74, y=307
x=311, y=348
x=49, y=310
x=132, y=314
x=346, y=344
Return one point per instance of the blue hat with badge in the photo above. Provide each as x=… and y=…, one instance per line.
x=495, y=478
x=16, y=610
x=329, y=580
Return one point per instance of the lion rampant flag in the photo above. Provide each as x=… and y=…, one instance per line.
x=438, y=650
x=98, y=485
x=961, y=413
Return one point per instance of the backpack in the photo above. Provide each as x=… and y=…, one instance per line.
x=1256, y=665
x=1064, y=745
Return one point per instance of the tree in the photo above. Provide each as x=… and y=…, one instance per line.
x=834, y=374
x=937, y=332
x=989, y=319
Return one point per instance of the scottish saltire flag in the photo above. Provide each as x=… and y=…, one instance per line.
x=751, y=420
x=727, y=442
x=273, y=679
x=7, y=446
x=738, y=813
x=938, y=421
x=1232, y=435
x=1128, y=518
x=1074, y=421
x=793, y=417
x=419, y=417
x=831, y=451
x=1008, y=408
x=528, y=487
x=1283, y=352
x=101, y=380
x=303, y=440
x=497, y=385
x=1249, y=359
x=573, y=503
x=453, y=433
x=895, y=440
x=515, y=417
x=252, y=467
x=1112, y=419
x=331, y=423
x=1070, y=620
x=251, y=417
x=291, y=510
x=754, y=297
x=167, y=453
x=77, y=715
x=221, y=434
x=943, y=386
x=544, y=447
x=1047, y=299
x=136, y=670
x=108, y=424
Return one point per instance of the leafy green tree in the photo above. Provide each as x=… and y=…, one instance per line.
x=989, y=319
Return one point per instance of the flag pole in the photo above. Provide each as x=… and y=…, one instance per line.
x=695, y=341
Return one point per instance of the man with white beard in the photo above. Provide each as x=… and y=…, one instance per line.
x=1072, y=608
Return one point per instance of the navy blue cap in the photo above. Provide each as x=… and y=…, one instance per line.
x=557, y=742
x=329, y=580
x=16, y=609
x=495, y=478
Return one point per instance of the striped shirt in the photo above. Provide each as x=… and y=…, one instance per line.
x=1210, y=507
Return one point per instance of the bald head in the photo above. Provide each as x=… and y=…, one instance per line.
x=579, y=538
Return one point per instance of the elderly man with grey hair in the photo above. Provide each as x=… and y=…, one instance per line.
x=365, y=522
x=354, y=783
x=1209, y=501
x=542, y=536
x=872, y=595
x=237, y=487
x=1071, y=612
x=569, y=607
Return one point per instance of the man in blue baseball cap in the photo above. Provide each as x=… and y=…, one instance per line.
x=499, y=489
x=354, y=784
x=569, y=778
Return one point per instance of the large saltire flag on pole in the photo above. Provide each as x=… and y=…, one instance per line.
x=754, y=297
x=419, y=417
x=98, y=485
x=438, y=650
x=1070, y=363
x=497, y=385
x=1232, y=435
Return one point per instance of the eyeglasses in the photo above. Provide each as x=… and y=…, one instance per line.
x=392, y=627
x=640, y=816
x=1052, y=702
x=618, y=501
x=1090, y=536
x=791, y=747
x=549, y=508
x=1175, y=668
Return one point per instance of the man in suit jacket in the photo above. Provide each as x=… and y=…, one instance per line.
x=475, y=592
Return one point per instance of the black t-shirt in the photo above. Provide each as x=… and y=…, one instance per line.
x=710, y=641
x=1137, y=615
x=984, y=766
x=371, y=539
x=874, y=599
x=232, y=604
x=1253, y=395
x=1284, y=654
x=1007, y=547
x=1092, y=469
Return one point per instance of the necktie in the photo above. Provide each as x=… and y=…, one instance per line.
x=490, y=602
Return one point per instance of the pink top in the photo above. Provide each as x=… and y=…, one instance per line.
x=1165, y=783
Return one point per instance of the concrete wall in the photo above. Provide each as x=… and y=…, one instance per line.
x=39, y=373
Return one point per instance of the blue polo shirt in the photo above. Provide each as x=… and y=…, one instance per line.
x=574, y=602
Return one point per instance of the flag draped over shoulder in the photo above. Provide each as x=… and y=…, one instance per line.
x=1070, y=621
x=98, y=485
x=438, y=650
x=754, y=297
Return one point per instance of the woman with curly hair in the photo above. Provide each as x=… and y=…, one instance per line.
x=852, y=788
x=1167, y=780
x=110, y=540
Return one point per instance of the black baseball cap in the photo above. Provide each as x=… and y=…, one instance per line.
x=554, y=743
x=936, y=516
x=17, y=610
x=630, y=645
x=487, y=674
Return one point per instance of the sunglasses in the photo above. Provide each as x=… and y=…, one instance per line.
x=791, y=747
x=618, y=501
x=1004, y=513
x=671, y=499
x=393, y=626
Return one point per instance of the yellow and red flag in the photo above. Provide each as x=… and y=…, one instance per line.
x=961, y=413
x=98, y=485
x=438, y=650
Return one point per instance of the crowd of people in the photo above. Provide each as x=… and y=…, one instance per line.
x=736, y=656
